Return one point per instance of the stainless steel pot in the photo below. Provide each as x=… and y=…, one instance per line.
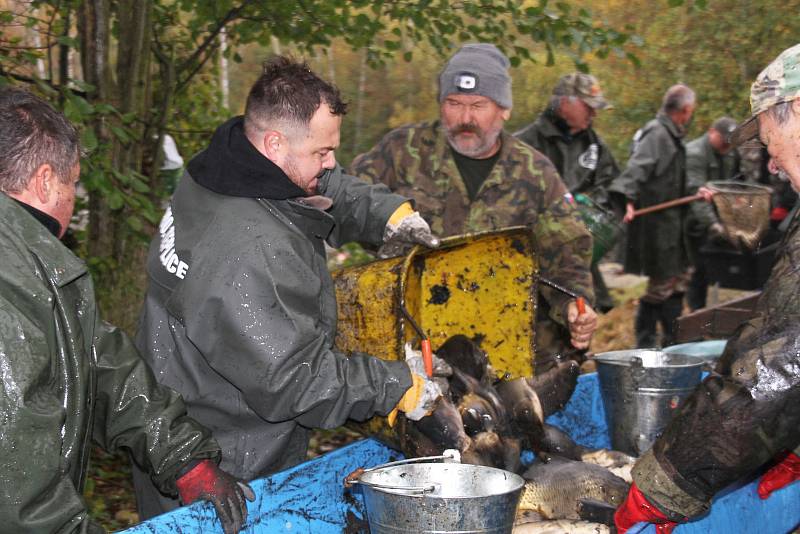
x=419, y=496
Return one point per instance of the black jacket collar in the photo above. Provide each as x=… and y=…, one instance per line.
x=47, y=221
x=232, y=166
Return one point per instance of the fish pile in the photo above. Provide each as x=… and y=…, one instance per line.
x=492, y=421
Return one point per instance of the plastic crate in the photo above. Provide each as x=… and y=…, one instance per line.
x=736, y=269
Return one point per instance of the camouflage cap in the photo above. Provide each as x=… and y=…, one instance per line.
x=779, y=82
x=583, y=86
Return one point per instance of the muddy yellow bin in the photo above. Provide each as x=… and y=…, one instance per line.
x=479, y=285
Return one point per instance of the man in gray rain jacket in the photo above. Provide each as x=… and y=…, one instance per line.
x=656, y=242
x=240, y=313
x=68, y=378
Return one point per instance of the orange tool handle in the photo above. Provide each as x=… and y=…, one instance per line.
x=581, y=304
x=427, y=356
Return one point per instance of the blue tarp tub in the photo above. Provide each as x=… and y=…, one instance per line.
x=310, y=497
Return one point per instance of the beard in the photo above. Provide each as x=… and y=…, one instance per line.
x=475, y=147
x=293, y=172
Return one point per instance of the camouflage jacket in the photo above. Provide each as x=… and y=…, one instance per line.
x=703, y=165
x=583, y=160
x=655, y=173
x=743, y=413
x=522, y=189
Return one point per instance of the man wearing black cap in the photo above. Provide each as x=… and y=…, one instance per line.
x=564, y=133
x=708, y=158
x=467, y=175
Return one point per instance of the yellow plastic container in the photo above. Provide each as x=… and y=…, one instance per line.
x=479, y=285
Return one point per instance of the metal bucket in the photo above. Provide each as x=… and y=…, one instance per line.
x=440, y=498
x=641, y=390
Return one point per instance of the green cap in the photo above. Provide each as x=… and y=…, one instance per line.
x=779, y=82
x=583, y=86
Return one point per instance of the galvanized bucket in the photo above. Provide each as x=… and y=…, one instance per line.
x=641, y=390
x=439, y=498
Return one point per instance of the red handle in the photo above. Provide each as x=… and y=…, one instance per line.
x=581, y=304
x=427, y=357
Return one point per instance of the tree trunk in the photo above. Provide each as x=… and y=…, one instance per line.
x=93, y=27
x=359, y=119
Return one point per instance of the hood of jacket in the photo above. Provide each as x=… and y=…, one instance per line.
x=232, y=166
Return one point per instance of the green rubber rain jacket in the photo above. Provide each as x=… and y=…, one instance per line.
x=67, y=379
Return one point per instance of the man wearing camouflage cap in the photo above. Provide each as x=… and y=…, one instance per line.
x=564, y=133
x=708, y=158
x=745, y=414
x=466, y=175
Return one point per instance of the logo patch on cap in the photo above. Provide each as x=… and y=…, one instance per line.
x=466, y=82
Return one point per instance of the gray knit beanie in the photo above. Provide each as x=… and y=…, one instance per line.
x=477, y=69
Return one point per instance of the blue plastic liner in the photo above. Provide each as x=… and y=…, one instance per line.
x=310, y=497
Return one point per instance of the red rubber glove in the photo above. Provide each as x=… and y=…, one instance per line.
x=637, y=509
x=786, y=471
x=208, y=482
x=778, y=213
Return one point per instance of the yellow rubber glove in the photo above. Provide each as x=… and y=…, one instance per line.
x=402, y=211
x=410, y=398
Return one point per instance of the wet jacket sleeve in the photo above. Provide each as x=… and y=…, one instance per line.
x=640, y=167
x=257, y=321
x=361, y=209
x=36, y=490
x=136, y=413
x=743, y=413
x=564, y=246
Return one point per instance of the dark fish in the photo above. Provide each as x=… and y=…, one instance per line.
x=477, y=414
x=558, y=442
x=524, y=409
x=462, y=353
x=443, y=427
x=489, y=446
x=462, y=384
x=554, y=489
x=555, y=386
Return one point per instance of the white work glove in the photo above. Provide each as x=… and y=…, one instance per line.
x=399, y=237
x=420, y=399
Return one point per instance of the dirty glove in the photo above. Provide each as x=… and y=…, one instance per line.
x=405, y=228
x=637, y=509
x=420, y=399
x=786, y=471
x=208, y=482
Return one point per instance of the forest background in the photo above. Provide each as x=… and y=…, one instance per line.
x=129, y=72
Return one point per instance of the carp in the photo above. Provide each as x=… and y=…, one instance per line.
x=555, y=386
x=555, y=486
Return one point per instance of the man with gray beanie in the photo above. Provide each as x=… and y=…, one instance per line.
x=708, y=158
x=468, y=175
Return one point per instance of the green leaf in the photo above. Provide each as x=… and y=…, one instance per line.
x=135, y=223
x=120, y=133
x=115, y=200
x=88, y=139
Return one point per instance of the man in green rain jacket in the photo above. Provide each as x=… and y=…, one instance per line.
x=68, y=378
